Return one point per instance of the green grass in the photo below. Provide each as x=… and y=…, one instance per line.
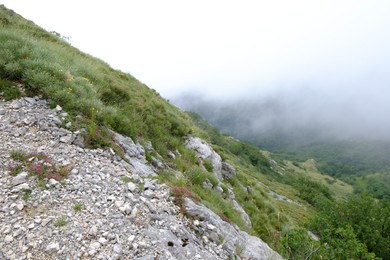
x=60, y=222
x=84, y=85
x=8, y=90
x=77, y=207
x=26, y=194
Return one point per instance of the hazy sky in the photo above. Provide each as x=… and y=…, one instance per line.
x=232, y=48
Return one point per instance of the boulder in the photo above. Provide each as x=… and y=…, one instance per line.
x=135, y=155
x=249, y=247
x=228, y=171
x=205, y=152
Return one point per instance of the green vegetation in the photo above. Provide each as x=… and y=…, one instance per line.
x=77, y=207
x=8, y=90
x=37, y=164
x=363, y=164
x=282, y=198
x=60, y=222
x=26, y=194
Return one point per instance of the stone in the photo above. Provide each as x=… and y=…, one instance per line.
x=228, y=171
x=132, y=187
x=8, y=239
x=219, y=189
x=254, y=248
x=45, y=222
x=19, y=179
x=20, y=206
x=54, y=247
x=149, y=193
x=56, y=121
x=67, y=139
x=16, y=104
x=135, y=154
x=52, y=182
x=93, y=231
x=117, y=249
x=119, y=203
x=205, y=152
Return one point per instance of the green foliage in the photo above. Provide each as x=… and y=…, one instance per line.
x=26, y=194
x=208, y=165
x=313, y=192
x=355, y=162
x=354, y=227
x=60, y=222
x=77, y=207
x=8, y=90
x=38, y=164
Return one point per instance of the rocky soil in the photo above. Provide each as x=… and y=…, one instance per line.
x=106, y=208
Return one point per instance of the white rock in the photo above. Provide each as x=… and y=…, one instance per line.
x=8, y=239
x=20, y=206
x=103, y=241
x=119, y=203
x=20, y=178
x=131, y=238
x=54, y=247
x=131, y=186
x=95, y=245
x=52, y=182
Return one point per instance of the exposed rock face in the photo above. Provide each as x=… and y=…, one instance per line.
x=206, y=152
x=135, y=154
x=244, y=215
x=228, y=171
x=236, y=242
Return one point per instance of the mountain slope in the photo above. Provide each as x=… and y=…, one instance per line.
x=113, y=111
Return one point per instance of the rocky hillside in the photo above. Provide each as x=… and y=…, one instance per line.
x=98, y=205
x=96, y=165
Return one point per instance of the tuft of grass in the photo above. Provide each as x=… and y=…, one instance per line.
x=8, y=90
x=208, y=165
x=126, y=179
x=180, y=192
x=60, y=222
x=26, y=194
x=15, y=169
x=77, y=207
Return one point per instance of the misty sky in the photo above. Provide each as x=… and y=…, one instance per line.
x=328, y=57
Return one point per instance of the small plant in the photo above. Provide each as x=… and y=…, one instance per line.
x=60, y=222
x=221, y=239
x=8, y=91
x=18, y=156
x=38, y=164
x=240, y=249
x=125, y=179
x=141, y=187
x=180, y=193
x=26, y=194
x=78, y=207
x=208, y=165
x=15, y=169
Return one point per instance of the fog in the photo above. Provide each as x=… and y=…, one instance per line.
x=299, y=116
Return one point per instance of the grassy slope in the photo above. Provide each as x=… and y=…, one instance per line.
x=109, y=99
